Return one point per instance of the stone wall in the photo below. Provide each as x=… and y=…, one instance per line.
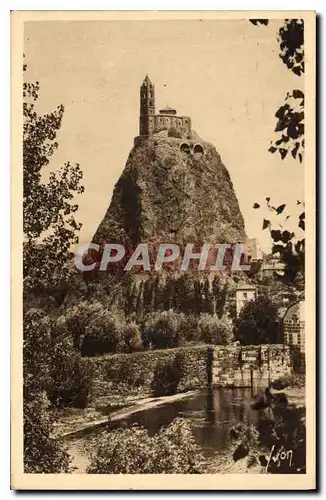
x=200, y=366
x=249, y=366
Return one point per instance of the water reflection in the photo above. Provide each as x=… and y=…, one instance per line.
x=211, y=414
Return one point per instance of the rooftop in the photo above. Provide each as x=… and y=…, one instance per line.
x=147, y=80
x=245, y=286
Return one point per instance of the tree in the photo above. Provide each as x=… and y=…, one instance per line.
x=103, y=334
x=163, y=329
x=77, y=317
x=166, y=378
x=70, y=376
x=132, y=337
x=258, y=323
x=214, y=330
x=290, y=116
x=288, y=244
x=49, y=230
x=290, y=130
x=48, y=210
x=54, y=375
x=42, y=452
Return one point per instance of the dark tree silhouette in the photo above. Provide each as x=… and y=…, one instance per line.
x=258, y=323
x=49, y=224
x=291, y=39
x=257, y=22
x=290, y=129
x=49, y=230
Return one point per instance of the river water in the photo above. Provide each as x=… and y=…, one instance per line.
x=211, y=414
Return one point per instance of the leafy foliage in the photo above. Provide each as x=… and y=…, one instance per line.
x=290, y=116
x=42, y=451
x=127, y=373
x=163, y=329
x=102, y=334
x=53, y=373
x=132, y=337
x=258, y=322
x=132, y=451
x=290, y=126
x=289, y=246
x=214, y=330
x=291, y=39
x=95, y=330
x=59, y=370
x=293, y=380
x=290, y=130
x=277, y=440
x=49, y=230
x=167, y=377
x=184, y=294
x=70, y=377
x=258, y=22
x=174, y=132
x=48, y=212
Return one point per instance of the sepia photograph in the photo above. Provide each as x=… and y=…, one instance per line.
x=163, y=306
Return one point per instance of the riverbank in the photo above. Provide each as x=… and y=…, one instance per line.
x=118, y=407
x=211, y=414
x=70, y=420
x=96, y=419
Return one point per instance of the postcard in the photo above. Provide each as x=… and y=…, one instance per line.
x=163, y=250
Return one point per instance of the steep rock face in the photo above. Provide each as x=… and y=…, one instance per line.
x=165, y=195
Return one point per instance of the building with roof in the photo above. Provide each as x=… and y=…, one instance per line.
x=167, y=118
x=244, y=294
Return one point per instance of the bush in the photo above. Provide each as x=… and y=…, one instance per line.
x=95, y=330
x=214, y=330
x=102, y=334
x=43, y=453
x=294, y=380
x=280, y=429
x=52, y=364
x=174, y=132
x=132, y=451
x=70, y=377
x=189, y=330
x=76, y=319
x=166, y=378
x=132, y=340
x=36, y=351
x=163, y=330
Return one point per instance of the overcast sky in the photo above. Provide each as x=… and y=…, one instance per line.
x=226, y=75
